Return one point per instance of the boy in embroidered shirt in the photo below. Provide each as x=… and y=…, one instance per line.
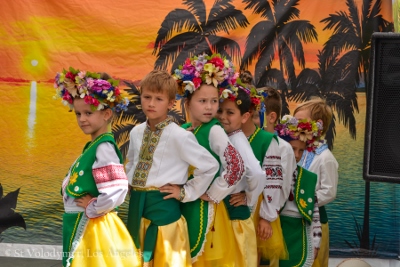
x=160, y=153
x=323, y=163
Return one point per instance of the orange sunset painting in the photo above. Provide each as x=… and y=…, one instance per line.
x=287, y=44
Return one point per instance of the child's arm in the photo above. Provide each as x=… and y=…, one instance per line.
x=316, y=228
x=328, y=178
x=232, y=165
x=289, y=166
x=270, y=206
x=206, y=166
x=110, y=179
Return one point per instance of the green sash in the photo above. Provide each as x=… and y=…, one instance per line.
x=196, y=212
x=323, y=216
x=241, y=212
x=297, y=239
x=152, y=206
x=259, y=142
x=304, y=192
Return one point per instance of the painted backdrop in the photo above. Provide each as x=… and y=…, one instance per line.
x=303, y=47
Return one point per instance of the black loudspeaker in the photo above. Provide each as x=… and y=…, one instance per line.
x=382, y=132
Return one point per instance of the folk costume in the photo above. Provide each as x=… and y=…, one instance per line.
x=300, y=220
x=157, y=158
x=266, y=149
x=253, y=185
x=212, y=243
x=300, y=216
x=323, y=163
x=96, y=236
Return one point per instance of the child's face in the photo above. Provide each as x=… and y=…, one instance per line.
x=256, y=118
x=91, y=122
x=156, y=105
x=303, y=114
x=298, y=148
x=203, y=105
x=229, y=116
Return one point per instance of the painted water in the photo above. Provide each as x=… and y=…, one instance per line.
x=38, y=146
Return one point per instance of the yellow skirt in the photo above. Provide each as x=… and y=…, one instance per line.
x=245, y=236
x=106, y=242
x=220, y=249
x=172, y=245
x=274, y=247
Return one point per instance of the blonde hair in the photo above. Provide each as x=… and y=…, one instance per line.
x=272, y=102
x=319, y=110
x=159, y=81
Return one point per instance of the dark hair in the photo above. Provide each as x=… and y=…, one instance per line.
x=246, y=77
x=245, y=102
x=159, y=81
x=273, y=102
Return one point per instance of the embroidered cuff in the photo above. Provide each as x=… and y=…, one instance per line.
x=212, y=199
x=182, y=194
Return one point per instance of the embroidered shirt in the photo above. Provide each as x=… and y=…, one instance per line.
x=175, y=150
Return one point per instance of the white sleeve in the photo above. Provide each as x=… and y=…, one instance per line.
x=255, y=176
x=130, y=157
x=316, y=226
x=206, y=166
x=110, y=179
x=289, y=165
x=231, y=161
x=272, y=166
x=328, y=180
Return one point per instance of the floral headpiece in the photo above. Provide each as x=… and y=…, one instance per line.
x=309, y=132
x=96, y=92
x=257, y=99
x=204, y=69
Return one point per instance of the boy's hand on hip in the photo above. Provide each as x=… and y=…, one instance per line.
x=238, y=199
x=172, y=189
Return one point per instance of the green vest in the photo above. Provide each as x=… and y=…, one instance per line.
x=304, y=192
x=196, y=212
x=259, y=142
x=81, y=180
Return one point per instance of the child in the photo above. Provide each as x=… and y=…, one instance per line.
x=323, y=163
x=300, y=216
x=271, y=116
x=160, y=153
x=93, y=235
x=200, y=78
x=265, y=214
x=232, y=112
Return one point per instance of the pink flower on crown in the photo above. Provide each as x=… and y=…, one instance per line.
x=218, y=62
x=91, y=100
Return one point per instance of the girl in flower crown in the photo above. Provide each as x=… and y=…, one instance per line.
x=199, y=80
x=96, y=183
x=232, y=113
x=300, y=214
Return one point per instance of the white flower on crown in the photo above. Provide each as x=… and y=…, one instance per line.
x=189, y=86
x=225, y=93
x=287, y=117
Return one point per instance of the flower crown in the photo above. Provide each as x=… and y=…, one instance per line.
x=96, y=92
x=204, y=69
x=309, y=132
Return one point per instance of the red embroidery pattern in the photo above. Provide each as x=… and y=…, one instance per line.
x=235, y=165
x=109, y=173
x=274, y=172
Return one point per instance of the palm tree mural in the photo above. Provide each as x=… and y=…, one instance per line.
x=334, y=81
x=124, y=121
x=352, y=32
x=281, y=33
x=351, y=38
x=185, y=33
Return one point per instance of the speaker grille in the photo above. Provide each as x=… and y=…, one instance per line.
x=384, y=122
